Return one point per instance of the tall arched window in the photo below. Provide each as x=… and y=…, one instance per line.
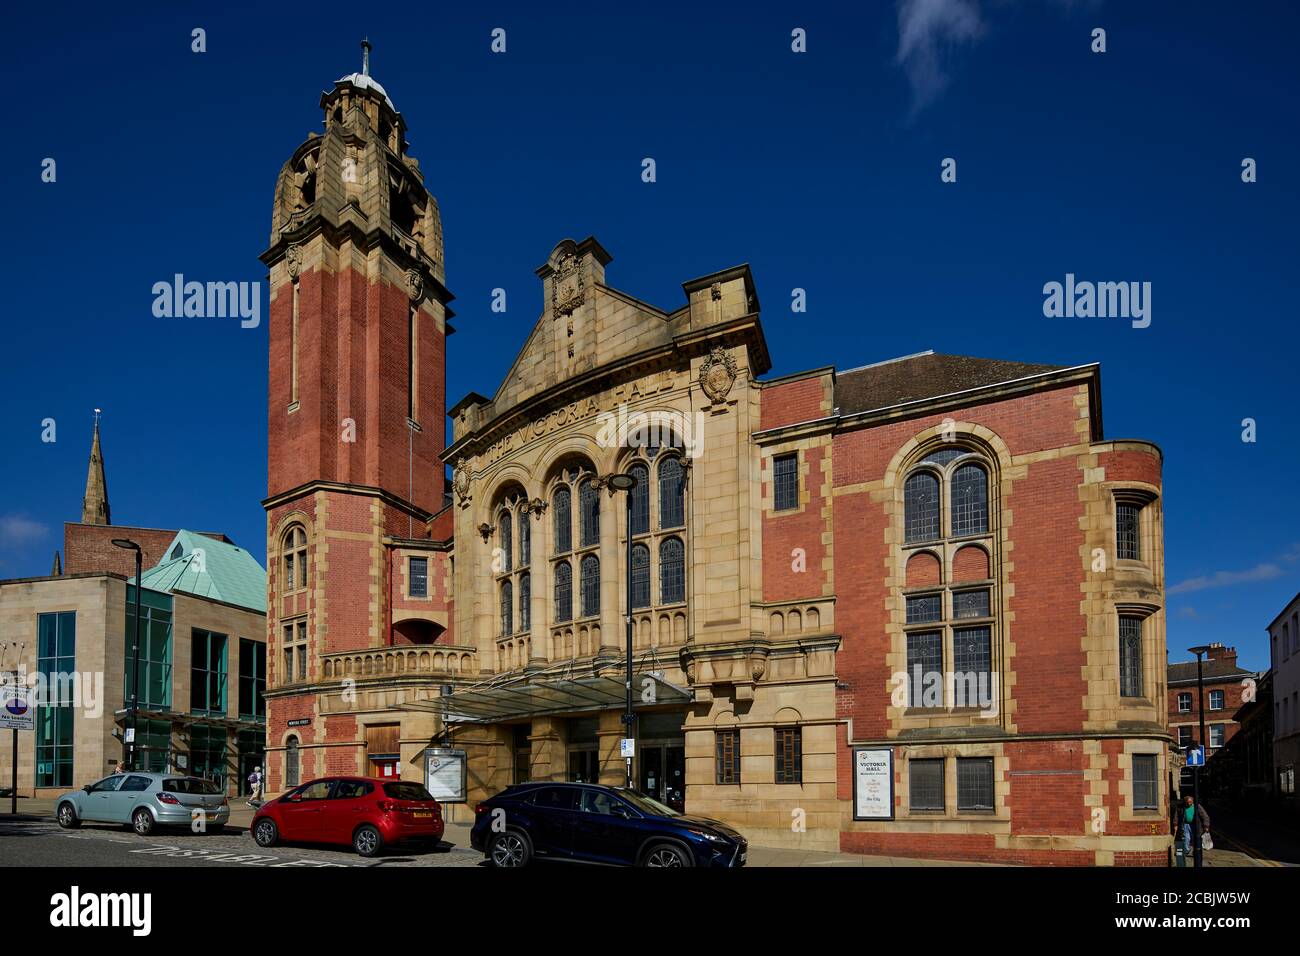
x=507, y=609
x=921, y=507
x=672, y=571
x=950, y=593
x=525, y=538
x=563, y=592
x=589, y=505
x=590, y=570
x=640, y=500
x=672, y=497
x=294, y=549
x=291, y=772
x=640, y=576
x=562, y=520
x=970, y=500
x=505, y=539
x=525, y=601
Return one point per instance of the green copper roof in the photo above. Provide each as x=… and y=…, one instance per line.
x=195, y=564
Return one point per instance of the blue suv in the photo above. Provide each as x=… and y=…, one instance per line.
x=597, y=824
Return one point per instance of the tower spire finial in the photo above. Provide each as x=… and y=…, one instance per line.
x=365, y=56
x=94, y=506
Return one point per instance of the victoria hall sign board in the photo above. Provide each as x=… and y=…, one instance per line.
x=445, y=774
x=873, y=783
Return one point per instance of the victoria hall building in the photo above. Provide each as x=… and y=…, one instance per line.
x=913, y=608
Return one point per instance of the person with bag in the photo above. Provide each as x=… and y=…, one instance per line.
x=255, y=787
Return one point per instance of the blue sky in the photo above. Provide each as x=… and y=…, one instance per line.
x=820, y=169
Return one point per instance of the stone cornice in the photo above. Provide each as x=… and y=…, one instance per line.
x=311, y=487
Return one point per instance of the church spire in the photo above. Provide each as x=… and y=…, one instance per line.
x=94, y=506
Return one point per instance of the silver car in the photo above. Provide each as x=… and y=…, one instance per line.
x=145, y=801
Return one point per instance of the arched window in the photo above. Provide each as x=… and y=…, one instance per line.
x=560, y=507
x=525, y=601
x=672, y=571
x=921, y=507
x=590, y=569
x=563, y=592
x=640, y=576
x=970, y=500
x=525, y=538
x=294, y=549
x=589, y=508
x=505, y=531
x=641, y=501
x=672, y=499
x=291, y=762
x=507, y=609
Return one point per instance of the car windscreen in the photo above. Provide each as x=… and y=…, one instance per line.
x=647, y=805
x=193, y=785
x=407, y=791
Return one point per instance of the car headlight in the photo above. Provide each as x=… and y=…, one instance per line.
x=711, y=837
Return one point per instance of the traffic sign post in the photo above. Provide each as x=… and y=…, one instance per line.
x=1196, y=760
x=17, y=714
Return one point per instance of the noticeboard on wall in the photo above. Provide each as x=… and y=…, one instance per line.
x=445, y=774
x=873, y=783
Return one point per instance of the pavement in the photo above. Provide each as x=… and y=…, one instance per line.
x=37, y=840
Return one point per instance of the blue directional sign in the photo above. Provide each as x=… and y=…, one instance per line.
x=1196, y=757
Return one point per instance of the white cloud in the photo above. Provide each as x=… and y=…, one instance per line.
x=927, y=30
x=19, y=530
x=1222, y=579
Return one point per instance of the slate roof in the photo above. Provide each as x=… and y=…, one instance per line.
x=1211, y=670
x=926, y=375
x=224, y=571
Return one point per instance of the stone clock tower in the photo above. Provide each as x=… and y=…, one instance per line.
x=357, y=407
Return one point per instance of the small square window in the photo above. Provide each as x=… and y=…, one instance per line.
x=789, y=755
x=1216, y=700
x=968, y=604
x=1184, y=736
x=925, y=784
x=974, y=783
x=728, y=757
x=785, y=481
x=1216, y=735
x=1184, y=703
x=1127, y=531
x=925, y=608
x=1145, y=779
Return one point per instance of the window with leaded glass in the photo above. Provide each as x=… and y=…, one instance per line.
x=589, y=506
x=974, y=783
x=924, y=608
x=672, y=571
x=970, y=604
x=295, y=559
x=1146, y=778
x=925, y=668
x=590, y=571
x=525, y=601
x=1127, y=531
x=563, y=592
x=789, y=755
x=672, y=493
x=561, y=520
x=207, y=672
x=1130, y=656
x=925, y=784
x=640, y=499
x=970, y=501
x=785, y=482
x=972, y=664
x=418, y=569
x=640, y=576
x=921, y=507
x=728, y=757
x=56, y=655
x=505, y=541
x=291, y=762
x=294, y=647
x=507, y=609
x=525, y=539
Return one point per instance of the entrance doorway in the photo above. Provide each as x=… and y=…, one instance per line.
x=383, y=766
x=663, y=773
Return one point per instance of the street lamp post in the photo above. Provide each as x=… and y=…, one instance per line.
x=1196, y=770
x=625, y=483
x=128, y=752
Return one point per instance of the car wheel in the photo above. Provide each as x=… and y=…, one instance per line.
x=67, y=817
x=367, y=841
x=511, y=849
x=265, y=833
x=666, y=854
x=142, y=822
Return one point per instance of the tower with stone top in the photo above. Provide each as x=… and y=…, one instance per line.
x=357, y=408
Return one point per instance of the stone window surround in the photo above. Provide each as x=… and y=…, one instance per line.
x=949, y=753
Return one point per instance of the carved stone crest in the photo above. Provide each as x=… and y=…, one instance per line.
x=717, y=374
x=538, y=507
x=486, y=530
x=460, y=482
x=293, y=260
x=414, y=285
x=715, y=291
x=567, y=290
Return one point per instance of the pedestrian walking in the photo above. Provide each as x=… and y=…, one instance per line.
x=255, y=787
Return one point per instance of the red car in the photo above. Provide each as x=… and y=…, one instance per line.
x=363, y=812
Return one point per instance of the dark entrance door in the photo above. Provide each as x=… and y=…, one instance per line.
x=663, y=773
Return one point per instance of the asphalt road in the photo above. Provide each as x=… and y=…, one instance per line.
x=40, y=842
